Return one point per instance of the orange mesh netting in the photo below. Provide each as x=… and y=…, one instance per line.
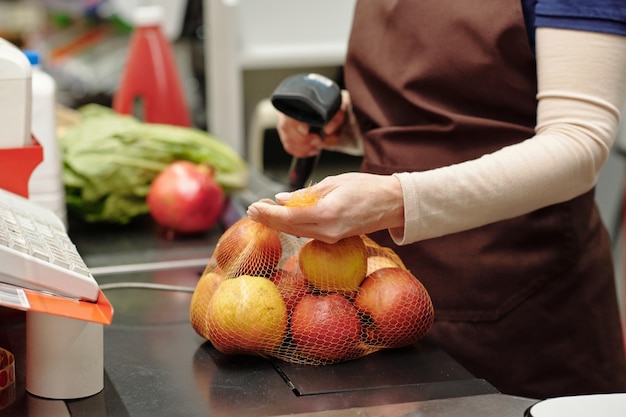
x=305, y=301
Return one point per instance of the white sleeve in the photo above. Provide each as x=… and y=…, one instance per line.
x=581, y=91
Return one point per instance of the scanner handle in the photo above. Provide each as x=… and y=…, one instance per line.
x=301, y=168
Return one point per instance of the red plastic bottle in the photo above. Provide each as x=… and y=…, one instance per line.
x=150, y=87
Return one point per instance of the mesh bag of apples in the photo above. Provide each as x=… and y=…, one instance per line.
x=305, y=301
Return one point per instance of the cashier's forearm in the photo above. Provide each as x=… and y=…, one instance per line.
x=582, y=87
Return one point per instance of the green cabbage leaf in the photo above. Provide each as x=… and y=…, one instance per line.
x=110, y=160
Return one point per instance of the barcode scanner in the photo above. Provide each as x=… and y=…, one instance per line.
x=312, y=99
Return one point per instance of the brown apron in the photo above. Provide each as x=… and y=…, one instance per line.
x=529, y=303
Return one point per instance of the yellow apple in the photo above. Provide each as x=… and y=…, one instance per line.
x=247, y=315
x=199, y=307
x=376, y=262
x=334, y=267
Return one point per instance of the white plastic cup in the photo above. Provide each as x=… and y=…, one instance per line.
x=64, y=357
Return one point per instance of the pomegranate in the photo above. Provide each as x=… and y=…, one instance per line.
x=185, y=198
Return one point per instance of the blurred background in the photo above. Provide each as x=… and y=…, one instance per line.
x=230, y=56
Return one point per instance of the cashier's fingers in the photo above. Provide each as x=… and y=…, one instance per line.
x=278, y=217
x=349, y=204
x=300, y=222
x=307, y=222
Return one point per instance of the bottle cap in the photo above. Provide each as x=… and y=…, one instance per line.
x=33, y=56
x=148, y=15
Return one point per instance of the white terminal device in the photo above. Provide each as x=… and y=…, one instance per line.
x=15, y=97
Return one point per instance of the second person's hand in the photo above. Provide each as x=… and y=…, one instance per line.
x=296, y=139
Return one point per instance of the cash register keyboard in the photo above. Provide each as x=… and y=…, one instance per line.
x=37, y=253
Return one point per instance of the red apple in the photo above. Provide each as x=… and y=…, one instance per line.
x=292, y=286
x=248, y=248
x=397, y=306
x=326, y=328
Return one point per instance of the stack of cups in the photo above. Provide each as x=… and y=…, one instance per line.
x=46, y=184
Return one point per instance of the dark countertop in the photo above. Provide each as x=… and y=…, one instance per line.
x=156, y=365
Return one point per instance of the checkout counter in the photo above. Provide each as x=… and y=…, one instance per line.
x=155, y=364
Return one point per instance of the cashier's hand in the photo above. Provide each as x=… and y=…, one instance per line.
x=350, y=204
x=340, y=131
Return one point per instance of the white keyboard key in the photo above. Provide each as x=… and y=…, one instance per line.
x=37, y=253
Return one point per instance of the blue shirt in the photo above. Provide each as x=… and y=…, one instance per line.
x=607, y=16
